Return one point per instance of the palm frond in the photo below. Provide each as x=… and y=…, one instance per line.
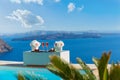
x=115, y=71
x=29, y=76
x=20, y=77
x=63, y=69
x=88, y=71
x=102, y=65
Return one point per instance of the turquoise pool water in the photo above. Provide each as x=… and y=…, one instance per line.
x=9, y=73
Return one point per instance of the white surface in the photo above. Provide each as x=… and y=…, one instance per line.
x=42, y=58
x=65, y=55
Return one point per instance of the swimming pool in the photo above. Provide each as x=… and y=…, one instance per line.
x=10, y=73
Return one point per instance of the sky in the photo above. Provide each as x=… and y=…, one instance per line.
x=18, y=16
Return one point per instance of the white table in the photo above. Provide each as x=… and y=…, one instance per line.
x=42, y=58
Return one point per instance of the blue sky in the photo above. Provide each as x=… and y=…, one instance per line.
x=18, y=16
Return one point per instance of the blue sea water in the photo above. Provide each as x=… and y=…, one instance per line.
x=85, y=48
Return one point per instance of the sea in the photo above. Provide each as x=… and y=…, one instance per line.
x=84, y=48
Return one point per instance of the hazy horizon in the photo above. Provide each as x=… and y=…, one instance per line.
x=19, y=16
x=94, y=31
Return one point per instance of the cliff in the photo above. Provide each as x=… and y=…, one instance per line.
x=4, y=47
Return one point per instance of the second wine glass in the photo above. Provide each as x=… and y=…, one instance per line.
x=43, y=45
x=47, y=45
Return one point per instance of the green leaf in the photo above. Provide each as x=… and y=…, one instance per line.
x=88, y=71
x=20, y=77
x=29, y=76
x=102, y=66
x=96, y=61
x=63, y=69
x=115, y=72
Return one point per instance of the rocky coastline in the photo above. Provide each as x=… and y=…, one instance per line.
x=4, y=47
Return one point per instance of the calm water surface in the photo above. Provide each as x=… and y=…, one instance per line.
x=83, y=48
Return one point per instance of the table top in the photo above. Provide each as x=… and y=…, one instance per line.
x=44, y=51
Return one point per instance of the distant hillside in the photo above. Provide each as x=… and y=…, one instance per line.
x=54, y=35
x=4, y=47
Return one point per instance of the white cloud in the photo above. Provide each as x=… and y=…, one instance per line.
x=28, y=1
x=81, y=8
x=71, y=7
x=57, y=0
x=16, y=1
x=26, y=18
x=34, y=1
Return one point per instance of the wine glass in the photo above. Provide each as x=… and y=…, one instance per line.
x=47, y=45
x=43, y=45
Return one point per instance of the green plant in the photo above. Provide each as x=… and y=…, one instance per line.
x=67, y=72
x=115, y=71
x=87, y=70
x=29, y=76
x=20, y=77
x=101, y=65
x=63, y=69
x=104, y=73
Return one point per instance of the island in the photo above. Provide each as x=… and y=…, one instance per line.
x=58, y=36
x=4, y=47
